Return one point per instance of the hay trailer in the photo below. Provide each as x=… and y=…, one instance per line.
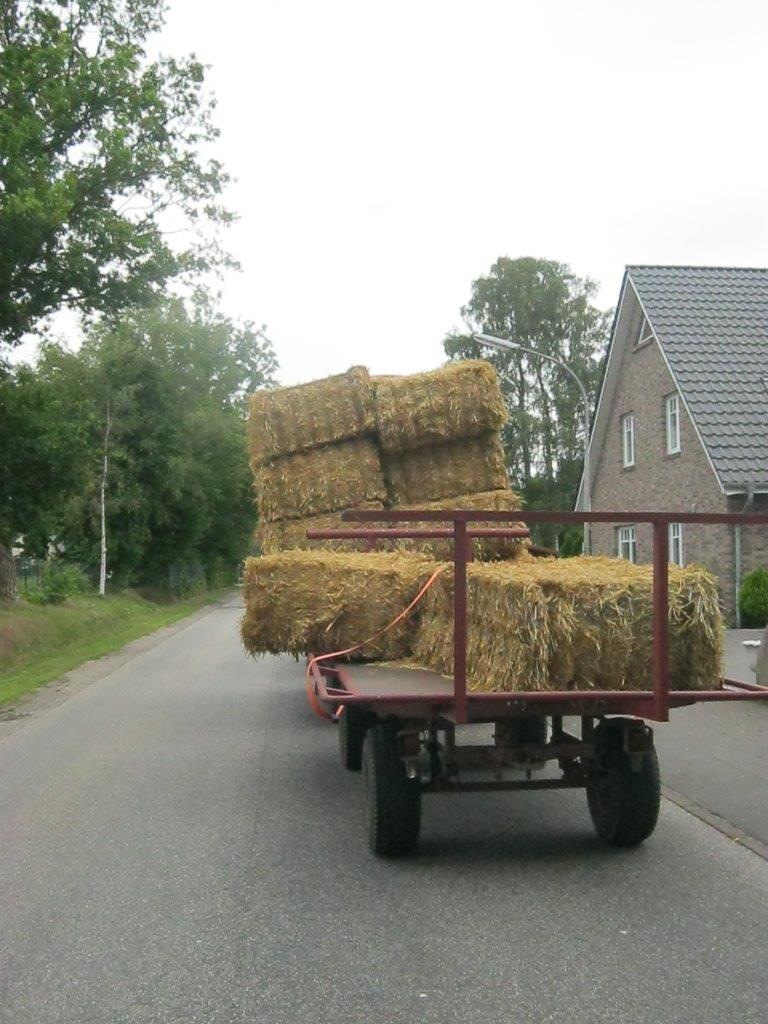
x=399, y=725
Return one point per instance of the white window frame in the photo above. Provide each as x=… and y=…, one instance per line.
x=628, y=440
x=627, y=543
x=672, y=414
x=676, y=543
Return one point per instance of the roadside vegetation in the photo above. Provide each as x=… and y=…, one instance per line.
x=40, y=642
x=753, y=599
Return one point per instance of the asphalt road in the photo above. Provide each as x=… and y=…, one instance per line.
x=717, y=754
x=180, y=845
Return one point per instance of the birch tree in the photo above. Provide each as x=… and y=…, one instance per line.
x=104, y=472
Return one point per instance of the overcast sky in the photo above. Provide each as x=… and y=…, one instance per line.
x=388, y=153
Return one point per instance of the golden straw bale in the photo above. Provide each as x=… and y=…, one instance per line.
x=291, y=534
x=573, y=623
x=287, y=420
x=489, y=549
x=508, y=648
x=322, y=601
x=601, y=624
x=460, y=400
x=324, y=480
x=445, y=471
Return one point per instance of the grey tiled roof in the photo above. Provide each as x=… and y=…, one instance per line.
x=712, y=323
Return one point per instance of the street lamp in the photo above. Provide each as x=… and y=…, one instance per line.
x=513, y=346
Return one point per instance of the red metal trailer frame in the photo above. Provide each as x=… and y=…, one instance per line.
x=463, y=707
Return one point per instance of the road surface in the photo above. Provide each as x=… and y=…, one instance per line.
x=717, y=755
x=179, y=845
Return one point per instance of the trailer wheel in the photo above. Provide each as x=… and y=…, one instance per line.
x=623, y=798
x=393, y=800
x=353, y=725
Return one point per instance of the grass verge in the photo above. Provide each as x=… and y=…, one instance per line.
x=39, y=643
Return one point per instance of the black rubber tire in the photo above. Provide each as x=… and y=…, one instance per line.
x=353, y=726
x=623, y=804
x=393, y=801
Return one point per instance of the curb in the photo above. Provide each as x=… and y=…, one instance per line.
x=738, y=835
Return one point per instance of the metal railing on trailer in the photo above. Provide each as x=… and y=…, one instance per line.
x=653, y=704
x=392, y=723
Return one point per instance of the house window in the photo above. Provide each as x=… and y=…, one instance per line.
x=628, y=543
x=676, y=543
x=672, y=406
x=628, y=439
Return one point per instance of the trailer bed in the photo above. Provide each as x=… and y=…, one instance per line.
x=377, y=681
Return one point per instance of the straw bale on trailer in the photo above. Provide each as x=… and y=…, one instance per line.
x=327, y=479
x=609, y=628
x=295, y=419
x=460, y=400
x=291, y=534
x=573, y=623
x=488, y=549
x=445, y=471
x=322, y=601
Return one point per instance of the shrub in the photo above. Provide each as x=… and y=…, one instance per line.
x=571, y=541
x=186, y=579
x=59, y=581
x=220, y=574
x=753, y=599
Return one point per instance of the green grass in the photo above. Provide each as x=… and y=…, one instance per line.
x=39, y=643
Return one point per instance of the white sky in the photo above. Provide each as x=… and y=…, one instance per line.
x=388, y=153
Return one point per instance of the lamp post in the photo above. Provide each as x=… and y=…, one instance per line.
x=514, y=346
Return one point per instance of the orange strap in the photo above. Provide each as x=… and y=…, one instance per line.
x=312, y=696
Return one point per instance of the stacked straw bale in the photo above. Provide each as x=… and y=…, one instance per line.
x=295, y=419
x=336, y=476
x=489, y=549
x=431, y=441
x=576, y=623
x=445, y=471
x=439, y=433
x=318, y=601
x=458, y=401
x=291, y=534
x=313, y=455
x=355, y=442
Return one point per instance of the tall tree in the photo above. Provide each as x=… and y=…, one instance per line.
x=105, y=195
x=544, y=306
x=44, y=445
x=100, y=161
x=168, y=386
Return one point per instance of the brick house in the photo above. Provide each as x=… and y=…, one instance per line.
x=682, y=417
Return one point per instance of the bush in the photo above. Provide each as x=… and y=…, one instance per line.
x=220, y=574
x=753, y=599
x=571, y=541
x=59, y=581
x=186, y=579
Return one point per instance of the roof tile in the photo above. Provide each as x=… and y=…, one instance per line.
x=712, y=323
